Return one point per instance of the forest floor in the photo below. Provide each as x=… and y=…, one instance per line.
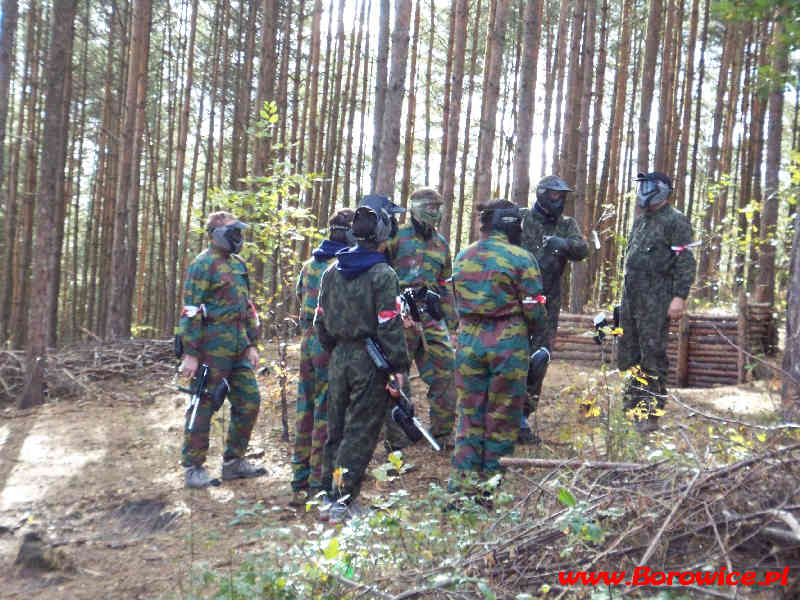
x=98, y=478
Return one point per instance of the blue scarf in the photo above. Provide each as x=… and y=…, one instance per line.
x=355, y=261
x=327, y=250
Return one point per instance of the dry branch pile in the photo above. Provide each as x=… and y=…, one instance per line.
x=743, y=516
x=73, y=370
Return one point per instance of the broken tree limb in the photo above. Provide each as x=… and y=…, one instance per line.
x=545, y=463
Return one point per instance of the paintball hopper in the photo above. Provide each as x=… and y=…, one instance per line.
x=422, y=299
x=537, y=365
x=601, y=324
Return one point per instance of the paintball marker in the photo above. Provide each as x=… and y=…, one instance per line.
x=537, y=365
x=415, y=302
x=403, y=412
x=199, y=386
x=601, y=325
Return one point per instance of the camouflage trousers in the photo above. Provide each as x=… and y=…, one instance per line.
x=645, y=324
x=311, y=424
x=357, y=401
x=436, y=369
x=544, y=338
x=244, y=401
x=491, y=368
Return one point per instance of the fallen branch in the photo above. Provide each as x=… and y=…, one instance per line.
x=733, y=421
x=544, y=463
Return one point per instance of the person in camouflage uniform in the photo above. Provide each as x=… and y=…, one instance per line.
x=498, y=293
x=421, y=257
x=659, y=271
x=219, y=327
x=311, y=426
x=358, y=299
x=553, y=239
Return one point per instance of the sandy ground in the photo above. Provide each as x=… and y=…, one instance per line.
x=98, y=478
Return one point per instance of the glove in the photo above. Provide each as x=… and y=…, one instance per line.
x=556, y=245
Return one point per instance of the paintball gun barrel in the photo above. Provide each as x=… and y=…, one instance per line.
x=415, y=302
x=403, y=412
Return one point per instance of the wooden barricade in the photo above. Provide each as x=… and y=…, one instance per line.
x=703, y=349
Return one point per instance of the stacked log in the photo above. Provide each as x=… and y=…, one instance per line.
x=712, y=348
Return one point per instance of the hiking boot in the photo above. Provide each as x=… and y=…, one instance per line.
x=527, y=437
x=445, y=441
x=325, y=508
x=240, y=468
x=196, y=477
x=648, y=425
x=337, y=513
x=299, y=498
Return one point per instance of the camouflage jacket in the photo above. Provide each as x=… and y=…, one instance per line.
x=307, y=288
x=656, y=251
x=535, y=227
x=493, y=278
x=216, y=293
x=419, y=262
x=366, y=306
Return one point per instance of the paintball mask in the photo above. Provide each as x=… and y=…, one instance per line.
x=229, y=237
x=427, y=210
x=385, y=209
x=550, y=195
x=653, y=189
x=507, y=220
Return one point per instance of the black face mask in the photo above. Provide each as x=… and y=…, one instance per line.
x=551, y=204
x=228, y=237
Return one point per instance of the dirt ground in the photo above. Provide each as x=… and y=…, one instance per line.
x=98, y=478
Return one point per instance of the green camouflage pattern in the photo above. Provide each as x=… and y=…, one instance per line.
x=654, y=274
x=419, y=262
x=311, y=426
x=219, y=282
x=497, y=287
x=350, y=311
x=426, y=262
x=534, y=229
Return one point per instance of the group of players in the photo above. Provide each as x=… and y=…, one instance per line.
x=500, y=297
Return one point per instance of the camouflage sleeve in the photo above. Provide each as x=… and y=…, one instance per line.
x=390, y=333
x=578, y=248
x=194, y=291
x=325, y=338
x=533, y=303
x=253, y=323
x=446, y=291
x=683, y=270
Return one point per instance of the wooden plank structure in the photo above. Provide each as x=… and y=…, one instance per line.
x=699, y=353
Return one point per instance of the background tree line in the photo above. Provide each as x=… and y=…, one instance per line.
x=120, y=122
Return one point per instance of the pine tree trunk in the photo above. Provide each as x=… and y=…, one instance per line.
x=428, y=83
x=527, y=102
x=683, y=156
x=126, y=215
x=701, y=70
x=390, y=143
x=408, y=150
x=381, y=84
x=468, y=113
x=8, y=29
x=790, y=391
x=52, y=168
x=457, y=91
x=654, y=23
x=579, y=285
x=769, y=215
x=351, y=114
x=494, y=68
x=560, y=65
x=448, y=93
